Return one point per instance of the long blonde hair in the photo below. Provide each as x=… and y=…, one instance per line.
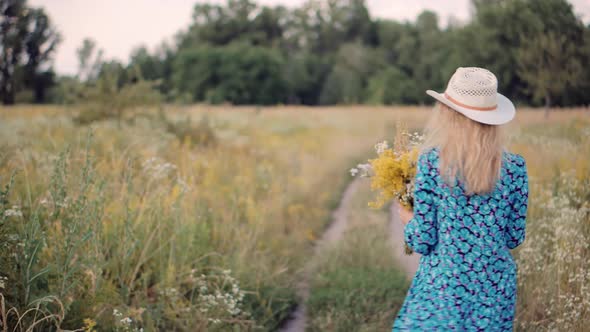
x=469, y=150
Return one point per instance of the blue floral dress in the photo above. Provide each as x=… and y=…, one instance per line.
x=466, y=279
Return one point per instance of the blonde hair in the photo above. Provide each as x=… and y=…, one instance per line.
x=469, y=150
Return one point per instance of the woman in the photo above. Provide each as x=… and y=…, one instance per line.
x=470, y=207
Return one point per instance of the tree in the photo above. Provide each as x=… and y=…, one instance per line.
x=499, y=30
x=238, y=73
x=155, y=66
x=392, y=86
x=306, y=73
x=333, y=23
x=12, y=33
x=321, y=52
x=345, y=84
x=549, y=65
x=40, y=43
x=239, y=20
x=89, y=60
x=149, y=66
x=249, y=75
x=427, y=72
x=27, y=39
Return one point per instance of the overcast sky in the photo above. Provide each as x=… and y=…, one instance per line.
x=118, y=26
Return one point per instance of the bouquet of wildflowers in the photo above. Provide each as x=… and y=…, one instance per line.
x=392, y=172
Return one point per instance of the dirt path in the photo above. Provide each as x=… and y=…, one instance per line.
x=333, y=233
x=408, y=263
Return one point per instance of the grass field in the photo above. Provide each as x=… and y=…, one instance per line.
x=208, y=224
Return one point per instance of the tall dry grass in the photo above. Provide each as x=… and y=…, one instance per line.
x=133, y=226
x=136, y=226
x=553, y=270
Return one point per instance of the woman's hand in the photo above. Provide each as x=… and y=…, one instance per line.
x=404, y=214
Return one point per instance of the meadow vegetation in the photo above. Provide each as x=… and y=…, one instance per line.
x=553, y=274
x=122, y=221
x=205, y=220
x=357, y=285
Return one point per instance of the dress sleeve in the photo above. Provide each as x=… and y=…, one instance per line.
x=514, y=232
x=421, y=231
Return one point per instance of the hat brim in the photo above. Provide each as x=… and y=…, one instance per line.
x=503, y=113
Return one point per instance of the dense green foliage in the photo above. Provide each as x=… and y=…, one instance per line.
x=334, y=52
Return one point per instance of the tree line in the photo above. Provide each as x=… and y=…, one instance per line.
x=323, y=52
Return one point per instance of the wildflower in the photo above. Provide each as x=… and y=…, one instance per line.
x=184, y=187
x=64, y=203
x=3, y=281
x=126, y=321
x=381, y=147
x=363, y=169
x=415, y=139
x=394, y=169
x=89, y=324
x=13, y=212
x=157, y=168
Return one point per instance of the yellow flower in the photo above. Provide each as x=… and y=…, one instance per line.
x=89, y=325
x=394, y=170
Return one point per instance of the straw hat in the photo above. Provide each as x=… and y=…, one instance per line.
x=473, y=92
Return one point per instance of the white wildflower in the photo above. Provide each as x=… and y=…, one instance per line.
x=3, y=281
x=13, y=212
x=381, y=147
x=184, y=187
x=364, y=169
x=64, y=203
x=157, y=168
x=126, y=321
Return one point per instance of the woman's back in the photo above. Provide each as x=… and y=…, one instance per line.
x=466, y=271
x=481, y=219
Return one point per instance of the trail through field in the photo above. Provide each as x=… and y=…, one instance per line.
x=337, y=227
x=407, y=263
x=333, y=234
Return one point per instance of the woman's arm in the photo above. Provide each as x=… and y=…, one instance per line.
x=514, y=231
x=421, y=231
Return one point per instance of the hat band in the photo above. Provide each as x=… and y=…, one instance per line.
x=491, y=108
